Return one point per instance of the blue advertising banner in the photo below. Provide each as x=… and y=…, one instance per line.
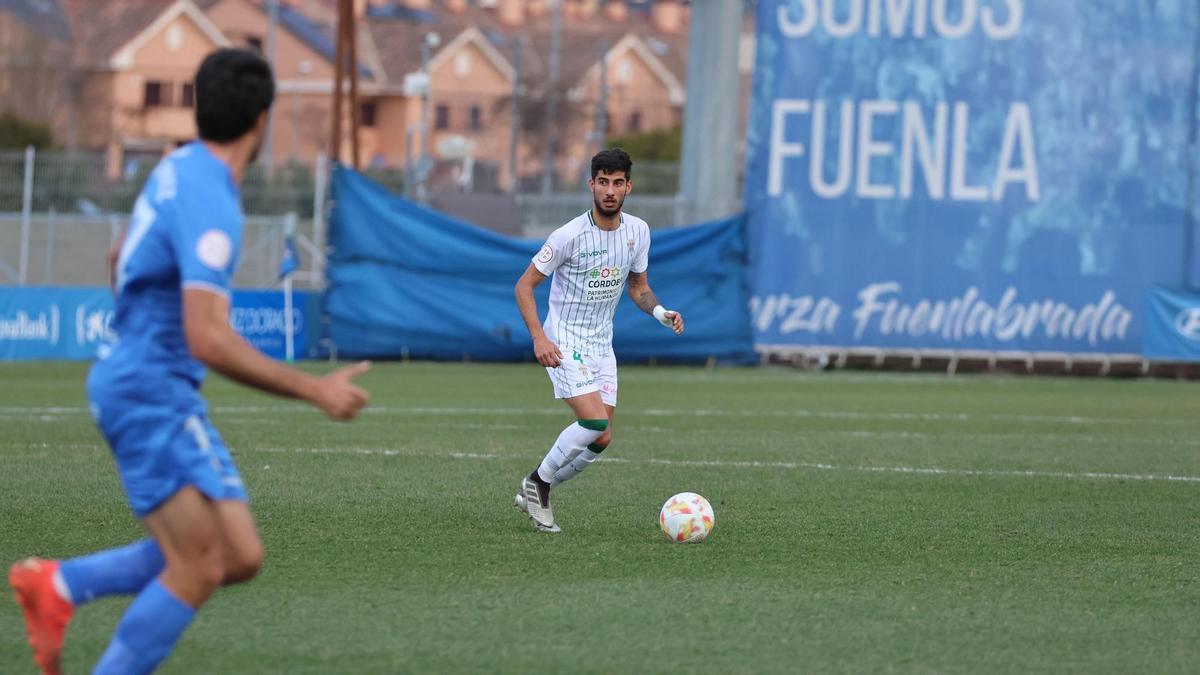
x=408, y=281
x=1172, y=325
x=977, y=174
x=260, y=318
x=54, y=323
x=71, y=323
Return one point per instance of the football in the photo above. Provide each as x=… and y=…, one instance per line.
x=686, y=518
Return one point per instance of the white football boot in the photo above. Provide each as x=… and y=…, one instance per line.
x=530, y=500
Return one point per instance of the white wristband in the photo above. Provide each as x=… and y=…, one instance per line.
x=660, y=313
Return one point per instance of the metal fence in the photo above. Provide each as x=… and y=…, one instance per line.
x=544, y=213
x=60, y=212
x=70, y=250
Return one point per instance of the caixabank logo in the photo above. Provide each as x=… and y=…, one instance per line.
x=39, y=326
x=1187, y=323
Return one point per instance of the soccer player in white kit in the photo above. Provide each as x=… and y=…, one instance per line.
x=592, y=258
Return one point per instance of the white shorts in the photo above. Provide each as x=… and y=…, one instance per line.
x=580, y=374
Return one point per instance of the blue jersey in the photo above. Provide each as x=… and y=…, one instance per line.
x=185, y=232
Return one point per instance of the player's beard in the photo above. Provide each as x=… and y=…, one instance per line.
x=606, y=212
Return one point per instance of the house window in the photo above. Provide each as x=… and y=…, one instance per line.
x=441, y=117
x=157, y=94
x=635, y=121
x=187, y=95
x=366, y=114
x=476, y=118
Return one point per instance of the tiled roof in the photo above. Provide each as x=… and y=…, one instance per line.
x=101, y=27
x=398, y=39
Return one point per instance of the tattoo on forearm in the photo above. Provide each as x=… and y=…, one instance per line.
x=640, y=293
x=646, y=300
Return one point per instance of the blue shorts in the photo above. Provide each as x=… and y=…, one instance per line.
x=162, y=447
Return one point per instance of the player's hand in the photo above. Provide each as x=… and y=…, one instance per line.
x=669, y=318
x=676, y=321
x=338, y=397
x=547, y=353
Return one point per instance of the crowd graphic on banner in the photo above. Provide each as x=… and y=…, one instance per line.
x=913, y=153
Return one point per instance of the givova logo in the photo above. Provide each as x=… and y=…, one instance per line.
x=1187, y=323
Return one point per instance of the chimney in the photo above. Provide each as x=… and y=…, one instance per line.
x=511, y=12
x=616, y=10
x=667, y=16
x=456, y=6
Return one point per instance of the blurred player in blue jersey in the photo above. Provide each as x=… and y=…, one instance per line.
x=172, y=280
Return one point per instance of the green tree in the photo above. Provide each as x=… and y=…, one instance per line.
x=658, y=145
x=18, y=132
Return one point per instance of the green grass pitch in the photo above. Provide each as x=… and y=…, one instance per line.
x=864, y=522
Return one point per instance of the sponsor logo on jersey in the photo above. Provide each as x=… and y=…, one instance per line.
x=214, y=249
x=605, y=273
x=591, y=254
x=604, y=283
x=546, y=254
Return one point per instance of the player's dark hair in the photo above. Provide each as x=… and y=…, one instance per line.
x=612, y=161
x=233, y=87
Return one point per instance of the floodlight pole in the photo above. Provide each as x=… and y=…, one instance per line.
x=272, y=21
x=708, y=177
x=515, y=128
x=423, y=165
x=552, y=101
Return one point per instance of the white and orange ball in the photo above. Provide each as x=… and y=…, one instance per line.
x=686, y=518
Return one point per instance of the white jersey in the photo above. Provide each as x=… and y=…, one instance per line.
x=589, y=266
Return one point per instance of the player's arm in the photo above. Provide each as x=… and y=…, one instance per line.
x=643, y=296
x=547, y=353
x=214, y=343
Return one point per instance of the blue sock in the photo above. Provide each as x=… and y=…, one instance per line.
x=117, y=571
x=147, y=632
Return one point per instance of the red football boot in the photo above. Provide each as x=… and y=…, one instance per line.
x=46, y=613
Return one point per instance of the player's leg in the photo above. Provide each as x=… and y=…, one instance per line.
x=187, y=527
x=241, y=546
x=591, y=423
x=604, y=372
x=50, y=590
x=575, y=382
x=584, y=457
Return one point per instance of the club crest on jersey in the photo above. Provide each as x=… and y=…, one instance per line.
x=546, y=254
